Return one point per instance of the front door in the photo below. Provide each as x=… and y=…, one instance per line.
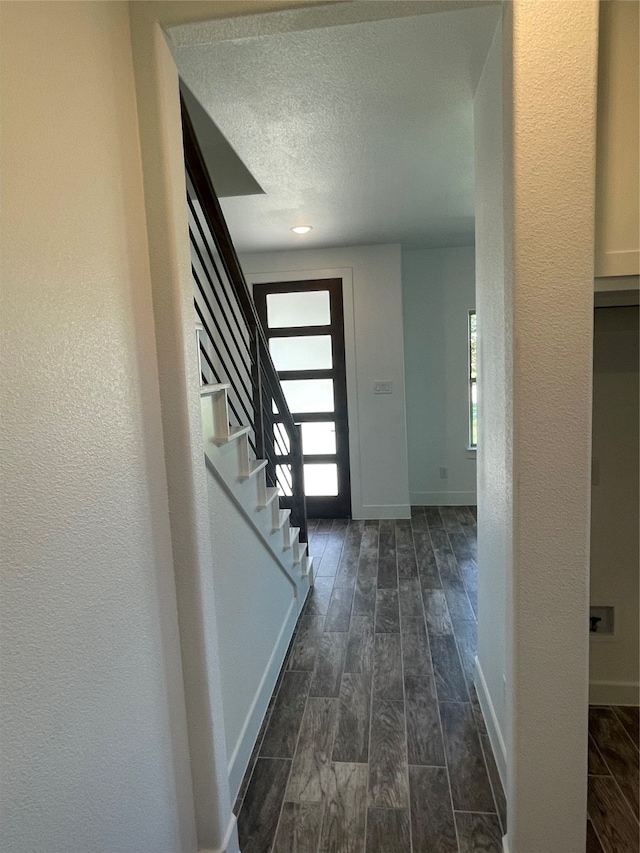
x=304, y=325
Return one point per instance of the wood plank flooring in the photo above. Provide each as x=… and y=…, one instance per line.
x=374, y=741
x=614, y=780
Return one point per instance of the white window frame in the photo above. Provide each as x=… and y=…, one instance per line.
x=472, y=380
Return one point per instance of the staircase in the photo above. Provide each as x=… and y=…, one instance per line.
x=252, y=445
x=244, y=478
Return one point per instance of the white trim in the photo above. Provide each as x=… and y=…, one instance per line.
x=623, y=263
x=383, y=511
x=614, y=693
x=443, y=498
x=239, y=759
x=493, y=726
x=346, y=274
x=605, y=283
x=505, y=844
x=231, y=834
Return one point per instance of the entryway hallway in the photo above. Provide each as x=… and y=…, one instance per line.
x=374, y=740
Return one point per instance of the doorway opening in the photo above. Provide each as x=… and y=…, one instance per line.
x=304, y=325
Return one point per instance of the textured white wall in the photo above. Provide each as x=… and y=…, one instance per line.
x=495, y=388
x=374, y=351
x=550, y=211
x=94, y=752
x=535, y=270
x=255, y=612
x=163, y=165
x=438, y=291
x=614, y=664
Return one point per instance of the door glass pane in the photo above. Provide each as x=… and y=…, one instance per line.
x=312, y=352
x=309, y=395
x=306, y=308
x=319, y=437
x=283, y=480
x=321, y=480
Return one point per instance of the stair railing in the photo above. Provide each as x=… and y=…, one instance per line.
x=233, y=346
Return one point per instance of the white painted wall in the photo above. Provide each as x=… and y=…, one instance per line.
x=256, y=613
x=438, y=291
x=549, y=63
x=494, y=306
x=615, y=557
x=94, y=746
x=156, y=78
x=372, y=289
x=550, y=203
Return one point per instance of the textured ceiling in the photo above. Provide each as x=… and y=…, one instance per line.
x=364, y=131
x=227, y=171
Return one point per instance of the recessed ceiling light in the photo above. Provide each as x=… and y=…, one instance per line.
x=301, y=229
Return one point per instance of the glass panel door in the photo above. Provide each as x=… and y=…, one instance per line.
x=303, y=322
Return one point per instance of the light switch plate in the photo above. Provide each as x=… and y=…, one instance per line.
x=382, y=387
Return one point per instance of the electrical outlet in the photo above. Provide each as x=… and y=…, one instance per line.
x=382, y=387
x=444, y=473
x=602, y=620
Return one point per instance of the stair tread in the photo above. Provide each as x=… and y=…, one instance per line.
x=205, y=390
x=255, y=465
x=234, y=433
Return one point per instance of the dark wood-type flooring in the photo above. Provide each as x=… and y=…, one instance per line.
x=614, y=780
x=374, y=741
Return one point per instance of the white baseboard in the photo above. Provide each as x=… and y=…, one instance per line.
x=493, y=727
x=443, y=498
x=382, y=511
x=244, y=747
x=230, y=843
x=505, y=844
x=614, y=693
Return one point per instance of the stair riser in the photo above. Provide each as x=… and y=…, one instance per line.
x=221, y=414
x=261, y=482
x=290, y=536
x=243, y=458
x=299, y=550
x=275, y=513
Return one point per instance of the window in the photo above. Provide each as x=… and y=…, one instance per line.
x=473, y=390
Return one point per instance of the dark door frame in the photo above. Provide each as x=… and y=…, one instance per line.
x=331, y=506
